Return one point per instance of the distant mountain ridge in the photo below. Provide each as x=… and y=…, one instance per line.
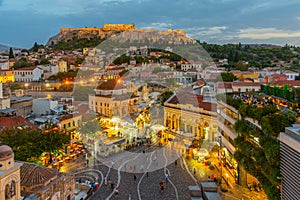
x=4, y=48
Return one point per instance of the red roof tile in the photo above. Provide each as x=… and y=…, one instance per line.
x=111, y=84
x=287, y=82
x=15, y=121
x=183, y=97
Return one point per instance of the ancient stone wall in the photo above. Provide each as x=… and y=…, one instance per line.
x=118, y=27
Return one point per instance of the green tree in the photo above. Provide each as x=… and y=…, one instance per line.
x=28, y=144
x=90, y=128
x=16, y=86
x=52, y=139
x=44, y=62
x=165, y=96
x=225, y=77
x=11, y=53
x=21, y=63
x=35, y=47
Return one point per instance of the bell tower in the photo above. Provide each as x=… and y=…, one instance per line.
x=9, y=175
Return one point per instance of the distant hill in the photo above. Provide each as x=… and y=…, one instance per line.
x=3, y=48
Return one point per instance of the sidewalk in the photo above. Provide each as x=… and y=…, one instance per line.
x=235, y=191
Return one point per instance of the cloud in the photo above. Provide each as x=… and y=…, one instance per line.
x=298, y=18
x=197, y=32
x=255, y=7
x=158, y=25
x=267, y=33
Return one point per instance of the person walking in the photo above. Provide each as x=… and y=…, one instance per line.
x=161, y=185
x=147, y=174
x=167, y=178
x=194, y=171
x=117, y=193
x=134, y=176
x=112, y=186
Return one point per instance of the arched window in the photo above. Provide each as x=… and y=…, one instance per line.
x=7, y=192
x=13, y=188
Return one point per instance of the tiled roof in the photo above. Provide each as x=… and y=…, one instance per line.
x=111, y=84
x=227, y=85
x=287, y=82
x=278, y=75
x=183, y=97
x=244, y=84
x=25, y=69
x=15, y=121
x=33, y=175
x=199, y=82
x=65, y=117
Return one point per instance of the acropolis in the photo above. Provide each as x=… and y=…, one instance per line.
x=106, y=27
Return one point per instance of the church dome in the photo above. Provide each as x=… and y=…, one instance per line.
x=5, y=152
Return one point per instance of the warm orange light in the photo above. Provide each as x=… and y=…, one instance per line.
x=67, y=82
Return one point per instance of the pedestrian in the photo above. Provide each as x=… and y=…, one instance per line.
x=175, y=162
x=194, y=171
x=147, y=174
x=167, y=178
x=109, y=181
x=134, y=176
x=117, y=193
x=161, y=185
x=105, y=181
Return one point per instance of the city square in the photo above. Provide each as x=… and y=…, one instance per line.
x=149, y=100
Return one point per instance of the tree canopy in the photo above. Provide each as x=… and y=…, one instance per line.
x=225, y=77
x=29, y=144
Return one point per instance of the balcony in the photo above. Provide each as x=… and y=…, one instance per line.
x=227, y=117
x=228, y=145
x=227, y=130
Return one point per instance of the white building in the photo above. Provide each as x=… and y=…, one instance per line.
x=290, y=74
x=43, y=106
x=191, y=65
x=4, y=65
x=28, y=74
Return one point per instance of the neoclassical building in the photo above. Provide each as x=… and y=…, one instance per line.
x=112, y=98
x=189, y=113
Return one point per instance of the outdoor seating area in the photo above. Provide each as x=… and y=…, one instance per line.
x=59, y=158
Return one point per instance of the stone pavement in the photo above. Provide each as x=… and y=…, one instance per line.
x=181, y=176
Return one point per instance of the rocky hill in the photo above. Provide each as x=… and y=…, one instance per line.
x=132, y=35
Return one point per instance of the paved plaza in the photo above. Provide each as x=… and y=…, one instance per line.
x=120, y=173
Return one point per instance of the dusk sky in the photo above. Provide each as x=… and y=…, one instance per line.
x=213, y=21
